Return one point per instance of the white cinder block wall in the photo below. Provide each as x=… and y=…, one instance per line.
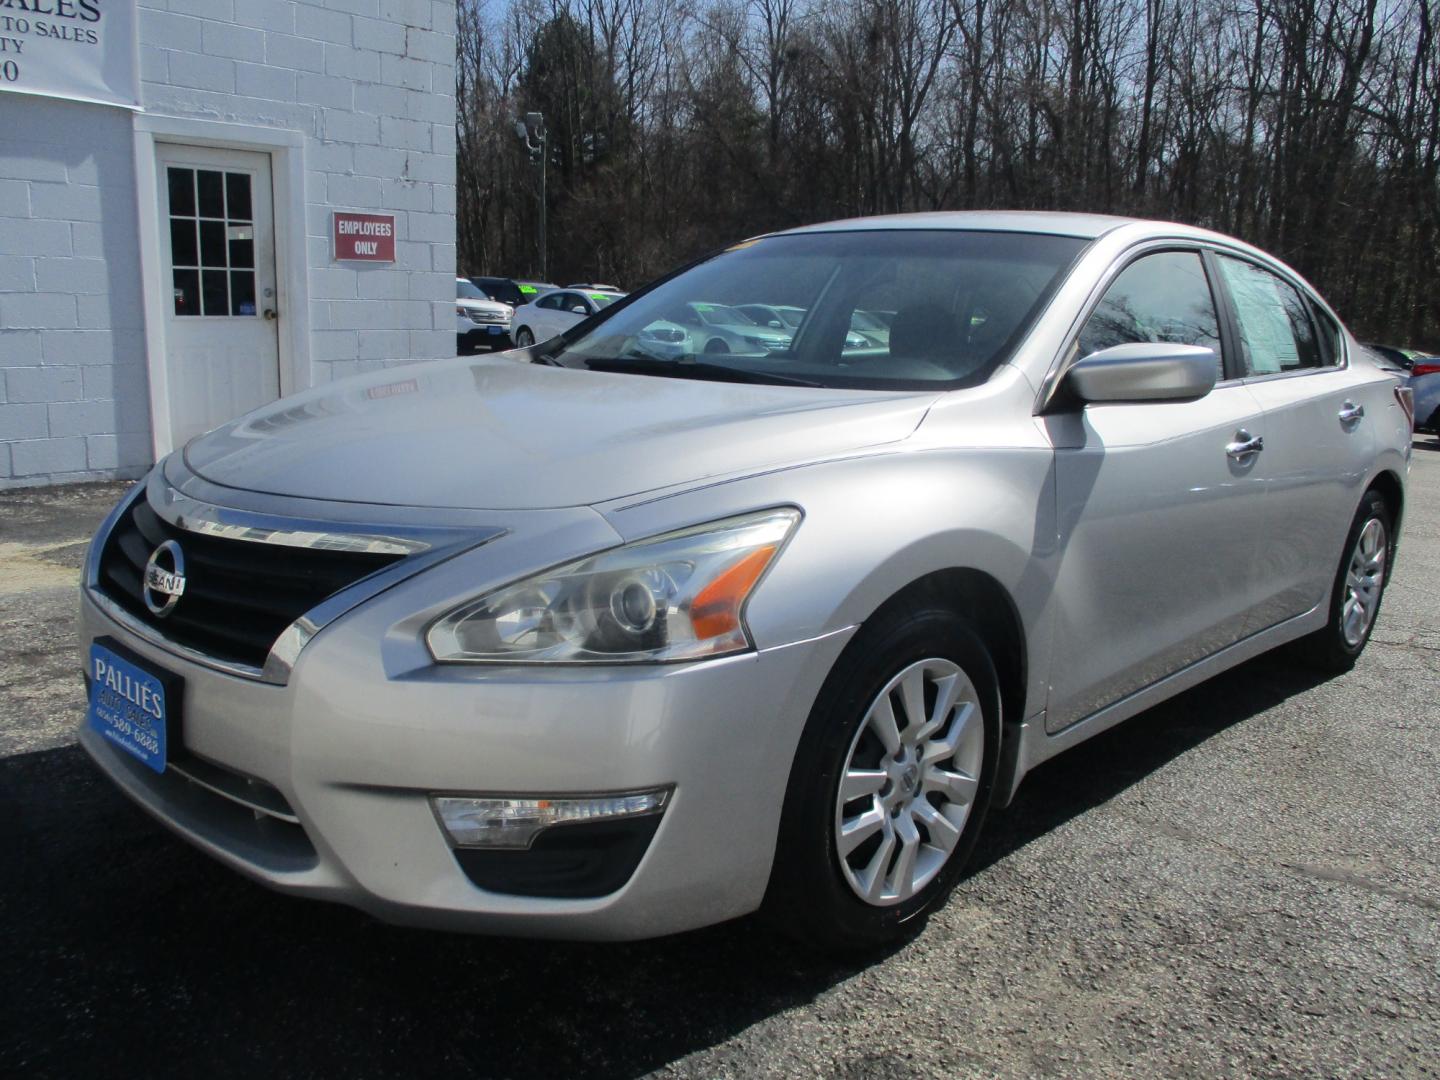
x=370, y=84
x=73, y=394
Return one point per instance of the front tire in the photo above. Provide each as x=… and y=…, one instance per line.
x=891, y=781
x=1358, y=589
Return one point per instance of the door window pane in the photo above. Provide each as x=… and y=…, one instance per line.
x=237, y=196
x=1161, y=297
x=182, y=192
x=1276, y=333
x=217, y=295
x=242, y=246
x=183, y=249
x=187, y=292
x=242, y=292
x=212, y=244
x=211, y=192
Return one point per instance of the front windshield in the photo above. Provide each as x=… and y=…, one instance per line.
x=500, y=290
x=603, y=300
x=464, y=290
x=874, y=309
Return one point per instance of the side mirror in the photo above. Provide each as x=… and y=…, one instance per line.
x=579, y=309
x=1144, y=371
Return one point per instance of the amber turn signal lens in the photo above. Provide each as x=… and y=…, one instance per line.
x=716, y=610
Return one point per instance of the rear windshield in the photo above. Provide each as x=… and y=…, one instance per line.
x=881, y=309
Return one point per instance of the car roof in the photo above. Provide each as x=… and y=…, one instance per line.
x=1123, y=230
x=1055, y=223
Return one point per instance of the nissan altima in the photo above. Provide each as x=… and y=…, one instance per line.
x=611, y=645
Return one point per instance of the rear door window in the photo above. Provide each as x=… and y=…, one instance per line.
x=1276, y=331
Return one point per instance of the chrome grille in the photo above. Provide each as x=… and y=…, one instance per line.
x=240, y=594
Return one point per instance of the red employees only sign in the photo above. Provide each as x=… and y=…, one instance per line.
x=364, y=237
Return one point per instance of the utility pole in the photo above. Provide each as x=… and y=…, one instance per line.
x=532, y=133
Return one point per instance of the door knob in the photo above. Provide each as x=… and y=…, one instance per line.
x=271, y=314
x=1244, y=445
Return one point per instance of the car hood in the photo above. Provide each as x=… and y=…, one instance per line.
x=471, y=304
x=499, y=434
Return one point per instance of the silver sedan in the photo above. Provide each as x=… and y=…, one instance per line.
x=612, y=645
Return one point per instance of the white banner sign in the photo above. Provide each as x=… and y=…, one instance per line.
x=84, y=50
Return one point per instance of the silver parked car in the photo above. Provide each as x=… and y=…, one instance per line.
x=610, y=645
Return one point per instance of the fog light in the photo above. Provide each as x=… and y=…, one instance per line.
x=514, y=821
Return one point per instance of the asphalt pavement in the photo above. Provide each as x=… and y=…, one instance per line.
x=1242, y=881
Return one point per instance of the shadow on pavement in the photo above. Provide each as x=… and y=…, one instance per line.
x=1102, y=767
x=127, y=952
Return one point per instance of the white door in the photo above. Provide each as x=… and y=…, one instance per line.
x=222, y=352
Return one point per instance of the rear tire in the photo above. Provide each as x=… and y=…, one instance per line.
x=925, y=794
x=524, y=338
x=1357, y=592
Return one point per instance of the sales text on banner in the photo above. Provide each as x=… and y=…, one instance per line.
x=84, y=50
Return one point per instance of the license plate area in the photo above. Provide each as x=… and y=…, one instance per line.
x=133, y=705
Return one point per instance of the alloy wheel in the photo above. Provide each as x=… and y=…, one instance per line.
x=1364, y=580
x=910, y=781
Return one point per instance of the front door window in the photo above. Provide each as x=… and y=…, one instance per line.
x=1160, y=297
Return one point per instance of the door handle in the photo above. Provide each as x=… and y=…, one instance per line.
x=1244, y=445
x=1350, y=412
x=271, y=314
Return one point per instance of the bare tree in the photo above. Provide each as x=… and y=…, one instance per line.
x=1311, y=127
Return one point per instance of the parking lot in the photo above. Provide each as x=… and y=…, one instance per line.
x=1245, y=880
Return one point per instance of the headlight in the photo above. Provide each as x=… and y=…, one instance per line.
x=680, y=596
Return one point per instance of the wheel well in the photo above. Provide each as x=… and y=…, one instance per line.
x=1388, y=485
x=981, y=599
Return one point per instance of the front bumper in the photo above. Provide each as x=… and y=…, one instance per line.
x=492, y=336
x=356, y=753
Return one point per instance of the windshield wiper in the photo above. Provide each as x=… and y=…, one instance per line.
x=688, y=367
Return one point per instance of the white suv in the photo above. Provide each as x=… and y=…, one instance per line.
x=479, y=321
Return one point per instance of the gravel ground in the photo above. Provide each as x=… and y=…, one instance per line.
x=1243, y=881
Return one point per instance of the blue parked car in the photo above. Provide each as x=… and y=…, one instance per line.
x=1424, y=380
